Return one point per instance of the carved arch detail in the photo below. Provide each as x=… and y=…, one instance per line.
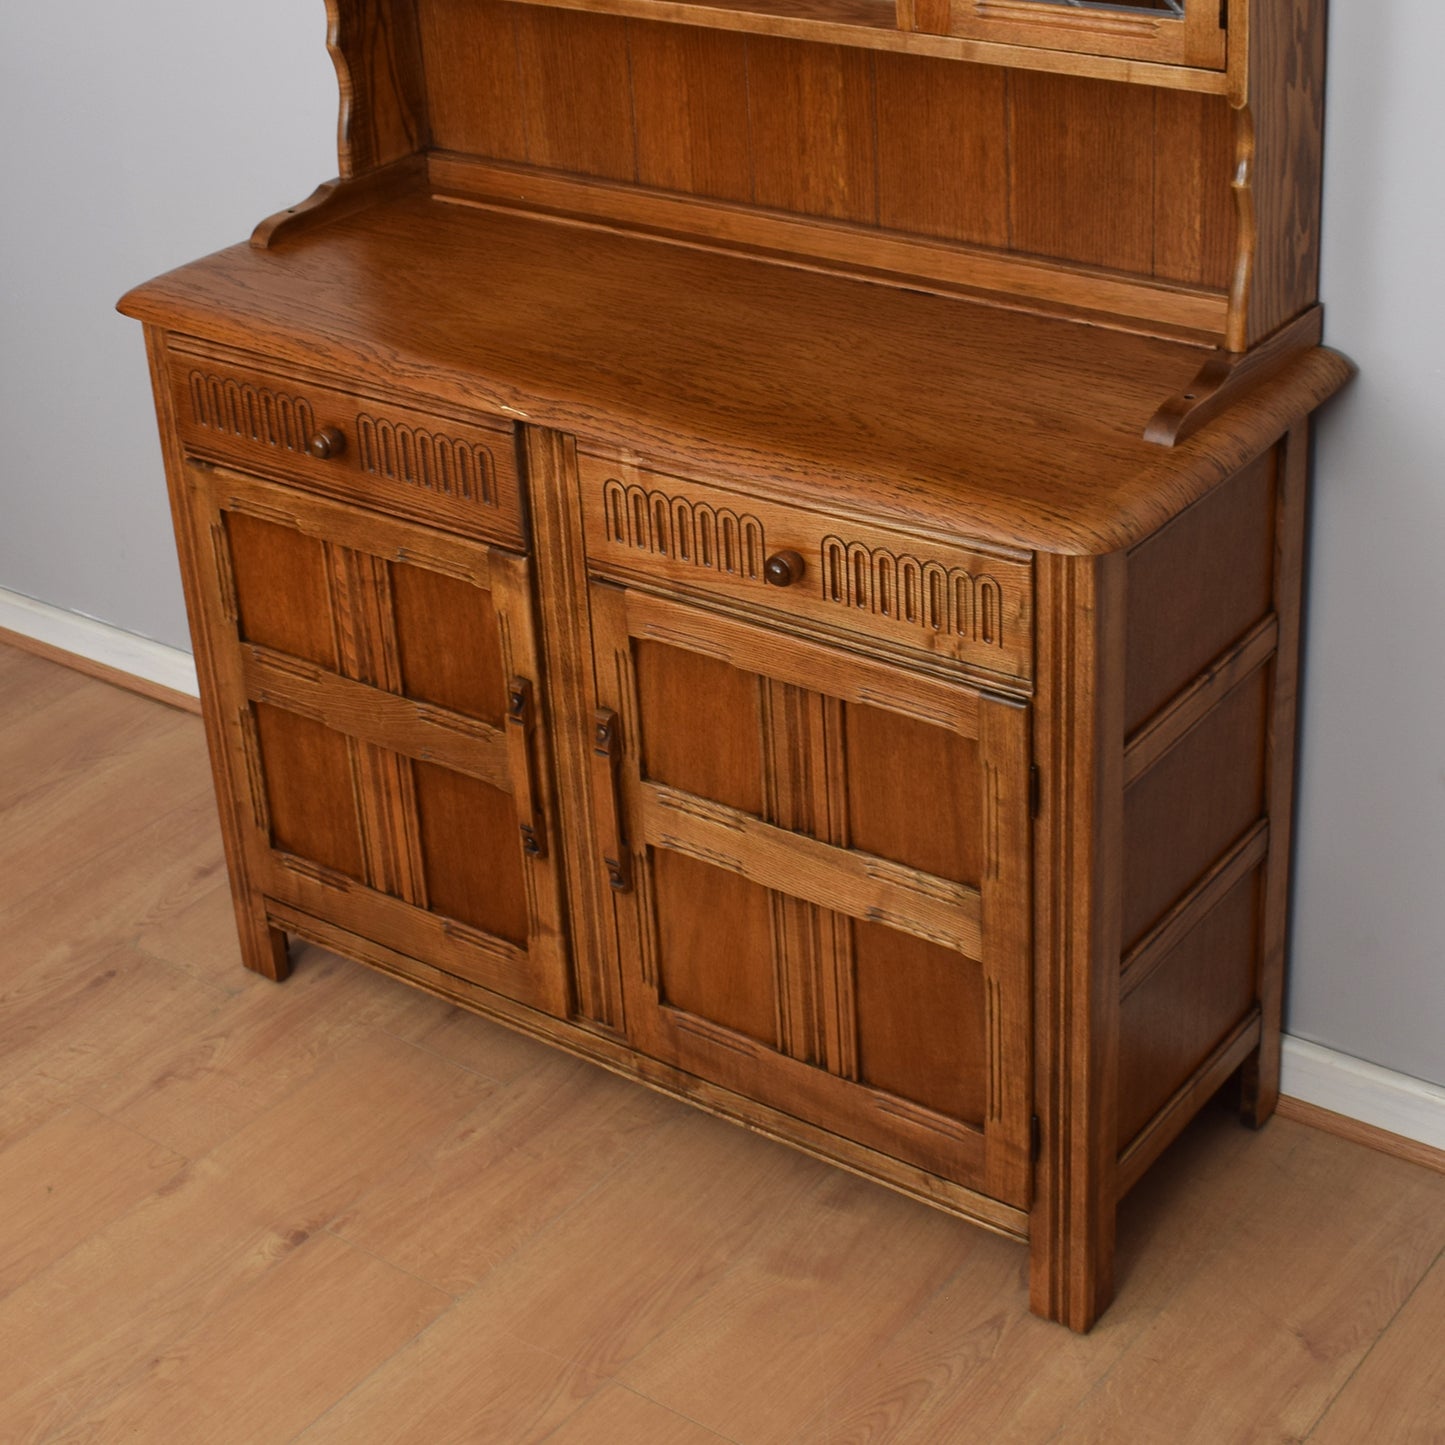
x=716, y=539
x=915, y=591
x=256, y=413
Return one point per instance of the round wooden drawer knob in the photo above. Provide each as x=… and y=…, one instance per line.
x=329, y=442
x=782, y=569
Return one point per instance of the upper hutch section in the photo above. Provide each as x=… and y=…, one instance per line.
x=1152, y=164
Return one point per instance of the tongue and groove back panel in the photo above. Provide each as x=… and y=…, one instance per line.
x=1063, y=167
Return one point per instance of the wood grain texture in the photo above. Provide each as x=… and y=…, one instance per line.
x=1286, y=110
x=842, y=523
x=812, y=113
x=690, y=105
x=1197, y=586
x=564, y=628
x=1078, y=920
x=1261, y=1076
x=374, y=46
x=941, y=168
x=475, y=93
x=584, y=57
x=1085, y=481
x=1063, y=202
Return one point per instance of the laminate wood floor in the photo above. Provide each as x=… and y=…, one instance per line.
x=339, y=1210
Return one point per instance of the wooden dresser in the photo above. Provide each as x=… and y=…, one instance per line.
x=760, y=542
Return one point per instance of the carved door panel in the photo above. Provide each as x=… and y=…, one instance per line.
x=820, y=867
x=377, y=682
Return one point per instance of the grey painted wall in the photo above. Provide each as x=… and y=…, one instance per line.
x=137, y=137
x=1369, y=940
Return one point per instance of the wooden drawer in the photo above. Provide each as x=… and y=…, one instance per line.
x=968, y=603
x=437, y=467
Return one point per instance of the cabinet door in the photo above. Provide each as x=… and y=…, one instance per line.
x=820, y=870
x=377, y=685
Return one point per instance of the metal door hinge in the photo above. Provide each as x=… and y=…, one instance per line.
x=1036, y=789
x=1036, y=1138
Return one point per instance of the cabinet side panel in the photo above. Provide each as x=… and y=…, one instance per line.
x=1171, y=1023
x=1201, y=797
x=1197, y=586
x=1286, y=105
x=375, y=48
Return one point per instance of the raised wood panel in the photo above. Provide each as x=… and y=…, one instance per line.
x=471, y=852
x=447, y=643
x=915, y=793
x=1197, y=586
x=701, y=725
x=583, y=57
x=921, y=1018
x=309, y=790
x=813, y=129
x=690, y=107
x=475, y=93
x=1169, y=1024
x=281, y=587
x=1082, y=154
x=1182, y=815
x=715, y=946
x=941, y=169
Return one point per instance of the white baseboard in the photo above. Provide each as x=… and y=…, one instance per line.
x=1320, y=1076
x=99, y=642
x=1394, y=1102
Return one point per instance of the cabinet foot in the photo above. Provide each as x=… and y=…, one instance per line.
x=265, y=950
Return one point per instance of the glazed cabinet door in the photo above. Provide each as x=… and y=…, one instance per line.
x=820, y=868
x=377, y=684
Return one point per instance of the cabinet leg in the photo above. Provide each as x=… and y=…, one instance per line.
x=264, y=949
x=1071, y=1260
x=1259, y=1083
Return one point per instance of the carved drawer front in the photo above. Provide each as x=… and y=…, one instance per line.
x=970, y=604
x=449, y=471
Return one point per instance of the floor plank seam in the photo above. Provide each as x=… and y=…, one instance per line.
x=1374, y=1344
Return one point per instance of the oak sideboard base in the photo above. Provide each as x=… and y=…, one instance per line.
x=676, y=569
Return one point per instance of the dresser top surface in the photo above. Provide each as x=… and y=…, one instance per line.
x=946, y=414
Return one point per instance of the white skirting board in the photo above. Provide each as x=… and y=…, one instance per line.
x=99, y=642
x=1394, y=1102
x=1317, y=1075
